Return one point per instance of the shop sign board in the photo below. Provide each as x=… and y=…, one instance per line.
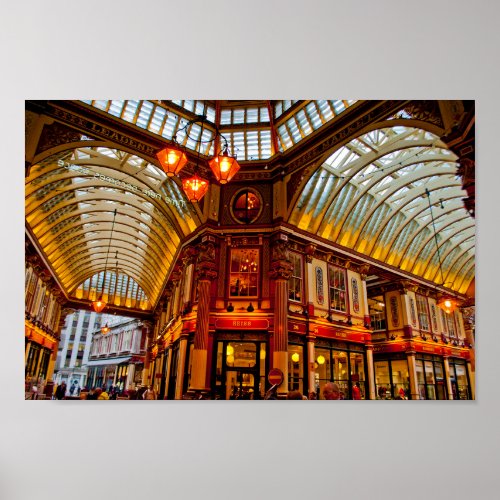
x=241, y=324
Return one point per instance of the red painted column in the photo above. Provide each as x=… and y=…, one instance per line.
x=206, y=273
x=281, y=271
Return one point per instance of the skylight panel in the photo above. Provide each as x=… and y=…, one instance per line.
x=225, y=117
x=189, y=104
x=130, y=109
x=264, y=114
x=285, y=137
x=252, y=115
x=115, y=108
x=265, y=144
x=100, y=104
x=199, y=108
x=210, y=112
x=252, y=145
x=303, y=122
x=238, y=116
x=157, y=120
x=314, y=116
x=338, y=105
x=325, y=110
x=294, y=129
x=239, y=144
x=144, y=114
x=170, y=126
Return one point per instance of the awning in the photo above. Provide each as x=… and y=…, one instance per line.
x=108, y=361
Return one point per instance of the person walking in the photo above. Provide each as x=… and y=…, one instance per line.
x=150, y=393
x=61, y=391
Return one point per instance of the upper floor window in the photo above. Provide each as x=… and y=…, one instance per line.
x=450, y=318
x=244, y=273
x=423, y=313
x=377, y=313
x=336, y=282
x=295, y=286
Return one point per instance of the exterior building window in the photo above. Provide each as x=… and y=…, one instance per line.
x=444, y=322
x=244, y=273
x=337, y=287
x=295, y=284
x=127, y=339
x=377, y=313
x=423, y=313
x=451, y=324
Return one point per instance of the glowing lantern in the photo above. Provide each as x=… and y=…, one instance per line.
x=224, y=167
x=195, y=188
x=172, y=160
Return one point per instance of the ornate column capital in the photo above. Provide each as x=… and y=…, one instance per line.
x=406, y=286
x=364, y=270
x=205, y=262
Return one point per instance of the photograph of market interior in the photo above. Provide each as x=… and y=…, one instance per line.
x=249, y=249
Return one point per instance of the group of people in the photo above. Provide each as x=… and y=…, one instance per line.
x=331, y=390
x=103, y=393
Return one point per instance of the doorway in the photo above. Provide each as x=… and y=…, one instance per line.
x=240, y=369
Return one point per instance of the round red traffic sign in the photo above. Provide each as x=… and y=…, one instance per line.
x=275, y=376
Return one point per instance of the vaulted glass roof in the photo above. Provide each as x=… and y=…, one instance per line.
x=70, y=202
x=372, y=196
x=248, y=126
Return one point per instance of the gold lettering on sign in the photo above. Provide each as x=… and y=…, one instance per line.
x=242, y=323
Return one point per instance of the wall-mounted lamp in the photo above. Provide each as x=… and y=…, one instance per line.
x=320, y=360
x=105, y=329
x=295, y=357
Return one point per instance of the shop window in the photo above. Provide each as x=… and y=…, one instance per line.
x=459, y=380
x=295, y=284
x=392, y=379
x=244, y=273
x=343, y=367
x=296, y=373
x=337, y=289
x=423, y=313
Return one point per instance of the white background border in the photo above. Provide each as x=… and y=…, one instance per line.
x=261, y=49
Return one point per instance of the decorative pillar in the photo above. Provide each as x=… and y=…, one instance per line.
x=472, y=380
x=412, y=369
x=206, y=269
x=408, y=319
x=148, y=331
x=371, y=372
x=181, y=366
x=52, y=361
x=281, y=271
x=130, y=375
x=363, y=270
x=447, y=377
x=311, y=356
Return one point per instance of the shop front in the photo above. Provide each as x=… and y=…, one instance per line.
x=240, y=363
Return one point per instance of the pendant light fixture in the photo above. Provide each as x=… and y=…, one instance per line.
x=173, y=159
x=105, y=329
x=100, y=304
x=445, y=301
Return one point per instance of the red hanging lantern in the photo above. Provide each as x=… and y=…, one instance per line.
x=195, y=188
x=447, y=304
x=172, y=160
x=224, y=167
x=98, y=304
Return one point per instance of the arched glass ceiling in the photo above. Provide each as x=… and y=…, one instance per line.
x=246, y=125
x=370, y=196
x=70, y=203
